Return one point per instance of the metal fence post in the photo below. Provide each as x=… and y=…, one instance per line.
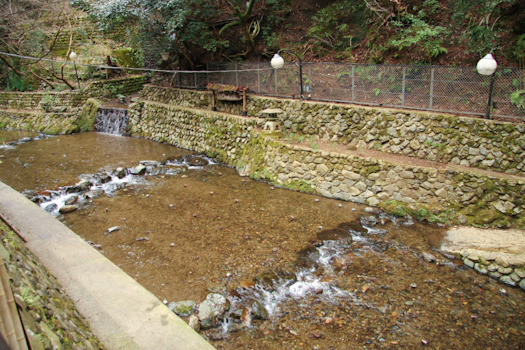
x=207, y=73
x=431, y=88
x=275, y=74
x=236, y=74
x=404, y=86
x=195, y=80
x=309, y=85
x=259, y=77
x=353, y=82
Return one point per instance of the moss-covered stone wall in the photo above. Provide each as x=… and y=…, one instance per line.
x=439, y=195
x=120, y=86
x=61, y=112
x=216, y=134
x=473, y=142
x=42, y=101
x=50, y=318
x=48, y=123
x=70, y=101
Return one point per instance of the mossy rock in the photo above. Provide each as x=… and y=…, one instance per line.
x=300, y=185
x=489, y=185
x=484, y=216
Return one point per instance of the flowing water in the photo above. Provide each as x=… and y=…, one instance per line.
x=111, y=120
x=299, y=271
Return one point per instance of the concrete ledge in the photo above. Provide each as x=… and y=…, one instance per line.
x=119, y=311
x=499, y=254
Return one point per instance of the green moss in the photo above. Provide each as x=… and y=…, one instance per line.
x=51, y=131
x=128, y=58
x=489, y=185
x=87, y=116
x=487, y=135
x=300, y=185
x=394, y=207
x=263, y=174
x=482, y=217
x=509, y=128
x=420, y=212
x=373, y=169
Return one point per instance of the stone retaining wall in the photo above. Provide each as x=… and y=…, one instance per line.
x=43, y=101
x=121, y=86
x=48, y=123
x=52, y=123
x=474, y=142
x=217, y=134
x=61, y=112
x=438, y=195
x=506, y=268
x=69, y=101
x=50, y=318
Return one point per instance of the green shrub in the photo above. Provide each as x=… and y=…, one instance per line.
x=128, y=57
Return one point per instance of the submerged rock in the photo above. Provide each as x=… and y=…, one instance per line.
x=51, y=207
x=212, y=308
x=138, y=170
x=97, y=192
x=369, y=221
x=196, y=161
x=120, y=172
x=82, y=186
x=193, y=322
x=428, y=257
x=67, y=209
x=182, y=308
x=152, y=163
x=72, y=200
x=104, y=179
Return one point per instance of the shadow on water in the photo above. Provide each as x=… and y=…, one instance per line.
x=298, y=271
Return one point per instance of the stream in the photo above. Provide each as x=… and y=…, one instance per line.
x=297, y=271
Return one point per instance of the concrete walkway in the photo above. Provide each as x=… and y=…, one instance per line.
x=120, y=312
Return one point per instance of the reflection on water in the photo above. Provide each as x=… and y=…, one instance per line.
x=300, y=271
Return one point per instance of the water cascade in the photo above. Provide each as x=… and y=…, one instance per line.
x=112, y=120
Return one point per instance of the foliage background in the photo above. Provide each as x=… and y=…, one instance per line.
x=186, y=34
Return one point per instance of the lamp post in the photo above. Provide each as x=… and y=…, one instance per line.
x=73, y=57
x=487, y=66
x=277, y=62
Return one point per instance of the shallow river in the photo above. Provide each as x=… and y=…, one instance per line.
x=326, y=274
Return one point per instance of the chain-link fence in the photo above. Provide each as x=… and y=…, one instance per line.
x=434, y=88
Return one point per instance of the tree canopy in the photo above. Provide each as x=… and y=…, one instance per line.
x=185, y=34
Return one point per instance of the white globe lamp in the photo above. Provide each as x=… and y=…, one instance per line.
x=73, y=56
x=277, y=61
x=487, y=65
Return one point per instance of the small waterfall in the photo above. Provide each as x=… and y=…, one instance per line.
x=112, y=120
